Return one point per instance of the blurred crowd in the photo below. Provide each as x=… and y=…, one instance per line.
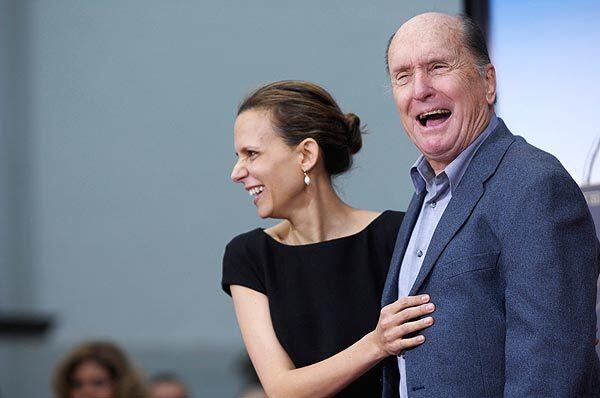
x=102, y=369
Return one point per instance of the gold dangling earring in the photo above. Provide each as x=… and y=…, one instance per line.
x=306, y=178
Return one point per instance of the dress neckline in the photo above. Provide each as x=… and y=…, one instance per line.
x=326, y=242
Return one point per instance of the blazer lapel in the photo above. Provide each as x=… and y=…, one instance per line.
x=467, y=194
x=390, y=291
x=457, y=212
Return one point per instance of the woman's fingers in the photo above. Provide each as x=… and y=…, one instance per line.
x=407, y=328
x=395, y=340
x=401, y=319
x=414, y=312
x=405, y=344
x=406, y=308
x=406, y=302
x=390, y=320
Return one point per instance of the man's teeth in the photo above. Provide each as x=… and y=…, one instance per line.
x=255, y=191
x=425, y=115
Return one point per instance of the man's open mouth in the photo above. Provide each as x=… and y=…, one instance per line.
x=434, y=118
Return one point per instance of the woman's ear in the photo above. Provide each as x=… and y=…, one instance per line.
x=308, y=153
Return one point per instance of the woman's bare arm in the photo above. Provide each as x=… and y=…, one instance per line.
x=279, y=376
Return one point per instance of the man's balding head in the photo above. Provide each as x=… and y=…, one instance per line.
x=470, y=35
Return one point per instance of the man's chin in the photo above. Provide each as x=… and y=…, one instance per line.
x=434, y=148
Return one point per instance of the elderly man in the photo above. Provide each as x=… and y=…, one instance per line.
x=497, y=234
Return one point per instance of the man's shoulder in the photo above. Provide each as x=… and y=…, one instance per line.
x=523, y=160
x=528, y=171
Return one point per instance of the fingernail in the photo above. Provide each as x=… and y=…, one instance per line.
x=429, y=307
x=428, y=321
x=420, y=339
x=425, y=298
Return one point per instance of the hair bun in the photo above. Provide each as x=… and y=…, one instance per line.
x=354, y=133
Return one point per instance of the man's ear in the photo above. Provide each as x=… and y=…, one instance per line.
x=490, y=84
x=308, y=154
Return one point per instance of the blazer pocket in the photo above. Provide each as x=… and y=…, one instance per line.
x=475, y=262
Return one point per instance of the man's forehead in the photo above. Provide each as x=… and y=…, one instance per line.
x=414, y=50
x=427, y=31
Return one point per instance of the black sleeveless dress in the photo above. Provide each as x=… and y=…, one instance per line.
x=324, y=296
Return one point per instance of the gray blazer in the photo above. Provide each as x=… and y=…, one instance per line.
x=512, y=270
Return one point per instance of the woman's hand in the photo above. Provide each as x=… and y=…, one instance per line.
x=277, y=372
x=396, y=320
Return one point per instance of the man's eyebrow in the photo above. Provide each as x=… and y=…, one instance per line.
x=436, y=59
x=439, y=59
x=401, y=68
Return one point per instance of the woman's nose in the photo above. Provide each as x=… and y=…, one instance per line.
x=238, y=172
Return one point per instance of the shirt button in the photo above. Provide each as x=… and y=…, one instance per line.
x=419, y=253
x=433, y=204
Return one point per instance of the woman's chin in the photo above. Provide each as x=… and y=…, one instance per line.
x=264, y=213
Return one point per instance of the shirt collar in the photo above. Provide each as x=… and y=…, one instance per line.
x=421, y=172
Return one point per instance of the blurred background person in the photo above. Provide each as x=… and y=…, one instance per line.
x=97, y=369
x=253, y=391
x=167, y=385
x=251, y=384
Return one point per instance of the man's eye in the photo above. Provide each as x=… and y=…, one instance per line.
x=252, y=154
x=401, y=79
x=439, y=67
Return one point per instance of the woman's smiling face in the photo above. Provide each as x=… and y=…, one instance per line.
x=269, y=168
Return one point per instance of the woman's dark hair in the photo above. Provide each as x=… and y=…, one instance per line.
x=300, y=110
x=127, y=380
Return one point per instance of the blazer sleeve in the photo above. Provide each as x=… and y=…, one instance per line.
x=550, y=266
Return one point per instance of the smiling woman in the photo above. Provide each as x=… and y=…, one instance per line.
x=285, y=123
x=307, y=291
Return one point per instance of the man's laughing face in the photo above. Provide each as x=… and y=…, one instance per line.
x=445, y=101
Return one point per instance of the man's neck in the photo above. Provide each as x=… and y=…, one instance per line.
x=439, y=165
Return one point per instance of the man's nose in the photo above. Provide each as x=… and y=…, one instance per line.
x=238, y=172
x=422, y=88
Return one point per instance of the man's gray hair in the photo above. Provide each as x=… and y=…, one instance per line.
x=474, y=41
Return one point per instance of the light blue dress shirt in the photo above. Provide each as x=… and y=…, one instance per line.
x=439, y=192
